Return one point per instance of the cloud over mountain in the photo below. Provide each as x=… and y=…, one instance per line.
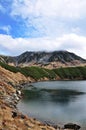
x=42, y=25
x=70, y=42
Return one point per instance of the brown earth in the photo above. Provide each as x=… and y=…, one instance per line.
x=14, y=78
x=10, y=117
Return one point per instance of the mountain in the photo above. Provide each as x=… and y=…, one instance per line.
x=45, y=59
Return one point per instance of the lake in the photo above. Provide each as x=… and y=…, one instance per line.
x=55, y=101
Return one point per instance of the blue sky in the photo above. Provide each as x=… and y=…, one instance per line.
x=42, y=25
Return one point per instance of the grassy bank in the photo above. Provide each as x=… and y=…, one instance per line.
x=71, y=72
x=38, y=73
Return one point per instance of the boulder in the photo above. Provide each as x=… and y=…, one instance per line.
x=72, y=126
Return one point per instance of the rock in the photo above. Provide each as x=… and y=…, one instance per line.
x=17, y=98
x=14, y=95
x=14, y=114
x=22, y=116
x=18, y=92
x=72, y=126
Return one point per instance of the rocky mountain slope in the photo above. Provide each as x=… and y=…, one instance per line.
x=45, y=59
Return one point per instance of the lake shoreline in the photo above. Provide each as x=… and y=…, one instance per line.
x=47, y=121
x=10, y=117
x=18, y=115
x=15, y=115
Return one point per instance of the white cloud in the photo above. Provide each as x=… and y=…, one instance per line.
x=51, y=8
x=74, y=43
x=50, y=17
x=6, y=28
x=70, y=42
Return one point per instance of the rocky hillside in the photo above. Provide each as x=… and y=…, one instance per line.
x=10, y=93
x=13, y=78
x=10, y=117
x=45, y=59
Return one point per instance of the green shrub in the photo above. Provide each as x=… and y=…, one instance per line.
x=38, y=72
x=71, y=72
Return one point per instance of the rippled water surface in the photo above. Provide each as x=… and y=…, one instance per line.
x=55, y=101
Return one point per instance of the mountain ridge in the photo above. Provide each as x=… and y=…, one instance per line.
x=44, y=59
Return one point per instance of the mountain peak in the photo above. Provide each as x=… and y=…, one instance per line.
x=61, y=58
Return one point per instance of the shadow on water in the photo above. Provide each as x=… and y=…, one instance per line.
x=56, y=101
x=61, y=96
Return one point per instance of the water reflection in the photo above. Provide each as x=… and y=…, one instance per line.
x=61, y=101
x=61, y=96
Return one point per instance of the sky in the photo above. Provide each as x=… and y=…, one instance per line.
x=42, y=25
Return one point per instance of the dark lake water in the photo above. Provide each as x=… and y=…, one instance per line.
x=56, y=101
